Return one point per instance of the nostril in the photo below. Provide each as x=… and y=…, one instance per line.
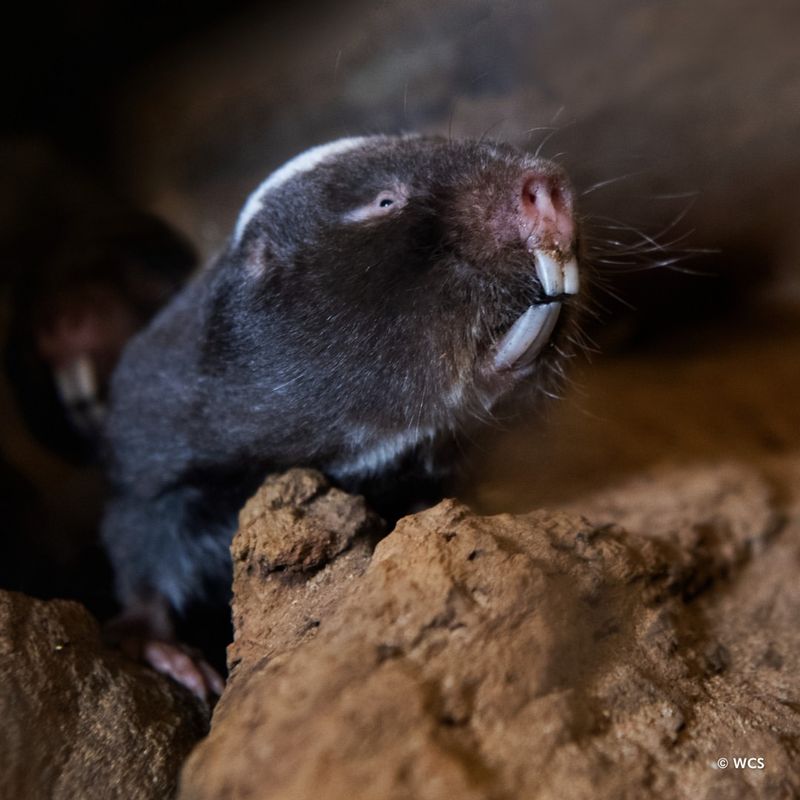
x=546, y=206
x=544, y=196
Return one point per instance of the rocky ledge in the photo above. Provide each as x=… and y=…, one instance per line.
x=80, y=721
x=620, y=649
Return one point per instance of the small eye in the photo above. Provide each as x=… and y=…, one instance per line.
x=386, y=199
x=384, y=202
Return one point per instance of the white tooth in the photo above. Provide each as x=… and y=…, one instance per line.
x=76, y=380
x=85, y=376
x=68, y=383
x=572, y=281
x=549, y=273
x=527, y=336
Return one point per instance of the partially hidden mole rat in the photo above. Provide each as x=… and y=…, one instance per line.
x=378, y=297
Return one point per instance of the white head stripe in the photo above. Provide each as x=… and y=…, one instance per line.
x=302, y=163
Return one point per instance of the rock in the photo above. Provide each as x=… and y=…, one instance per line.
x=79, y=720
x=544, y=655
x=319, y=540
x=714, y=517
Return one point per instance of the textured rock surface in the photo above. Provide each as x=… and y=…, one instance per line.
x=320, y=540
x=79, y=721
x=542, y=655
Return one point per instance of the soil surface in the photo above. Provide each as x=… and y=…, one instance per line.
x=622, y=649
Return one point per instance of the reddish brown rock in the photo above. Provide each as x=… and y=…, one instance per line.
x=533, y=656
x=319, y=539
x=78, y=720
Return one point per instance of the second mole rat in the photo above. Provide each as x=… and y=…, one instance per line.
x=378, y=297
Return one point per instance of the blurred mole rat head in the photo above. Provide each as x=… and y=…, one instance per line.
x=425, y=278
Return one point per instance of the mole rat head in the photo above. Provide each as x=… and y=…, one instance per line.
x=442, y=273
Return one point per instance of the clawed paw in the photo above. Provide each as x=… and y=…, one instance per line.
x=184, y=666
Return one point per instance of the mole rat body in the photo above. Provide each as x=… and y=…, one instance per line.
x=379, y=296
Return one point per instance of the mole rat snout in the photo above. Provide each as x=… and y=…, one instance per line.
x=546, y=225
x=546, y=219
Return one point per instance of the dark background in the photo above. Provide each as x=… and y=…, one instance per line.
x=65, y=65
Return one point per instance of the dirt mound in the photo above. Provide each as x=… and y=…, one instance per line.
x=79, y=720
x=548, y=654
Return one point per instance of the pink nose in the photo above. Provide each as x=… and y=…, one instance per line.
x=546, y=220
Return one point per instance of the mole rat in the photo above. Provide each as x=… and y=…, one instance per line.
x=96, y=278
x=379, y=297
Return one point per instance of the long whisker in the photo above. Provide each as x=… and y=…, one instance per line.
x=610, y=181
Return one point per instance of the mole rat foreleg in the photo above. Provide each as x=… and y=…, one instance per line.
x=164, y=550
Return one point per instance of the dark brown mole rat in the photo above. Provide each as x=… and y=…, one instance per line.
x=378, y=297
